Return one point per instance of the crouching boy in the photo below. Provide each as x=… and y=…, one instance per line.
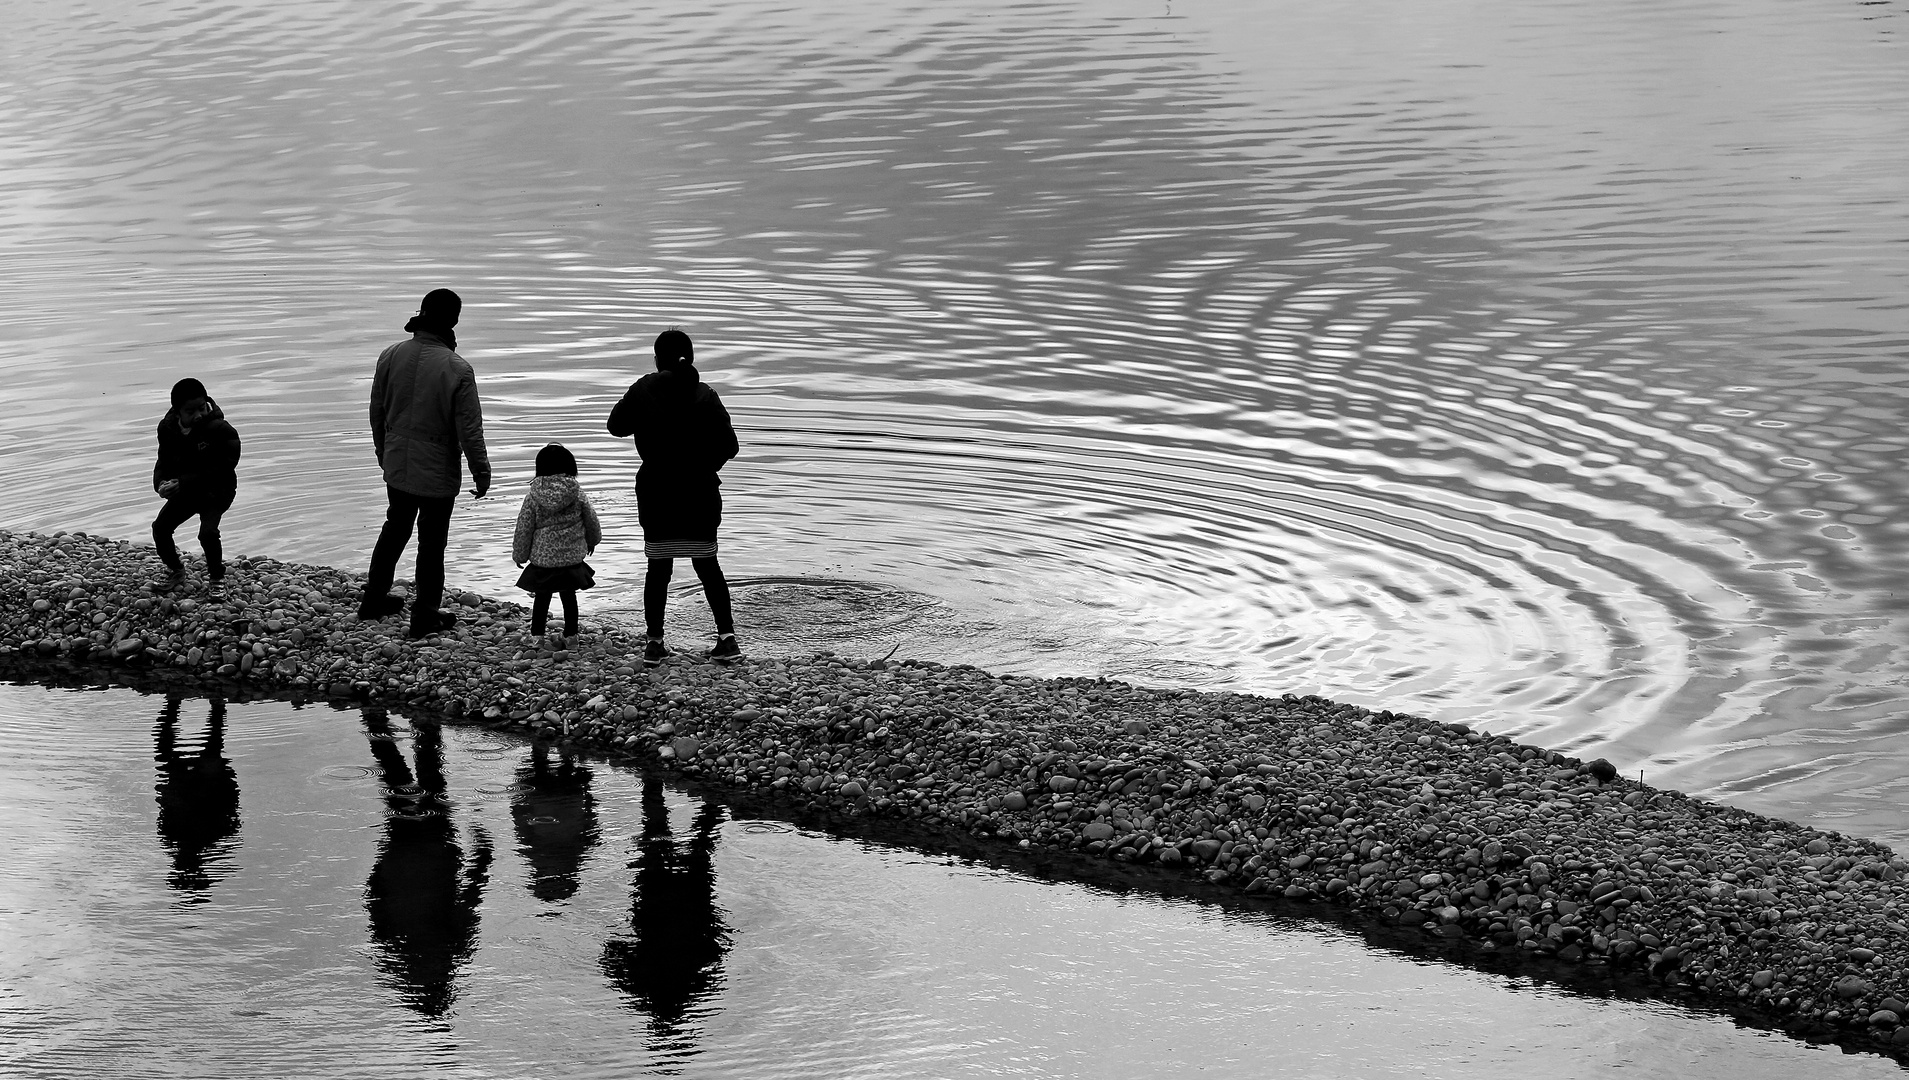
x=197, y=473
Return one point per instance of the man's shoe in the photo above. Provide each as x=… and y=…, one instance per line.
x=655, y=652
x=726, y=649
x=435, y=623
x=383, y=607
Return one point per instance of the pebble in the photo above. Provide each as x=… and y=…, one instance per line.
x=1461, y=833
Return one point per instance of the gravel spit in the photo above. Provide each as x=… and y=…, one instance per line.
x=1433, y=827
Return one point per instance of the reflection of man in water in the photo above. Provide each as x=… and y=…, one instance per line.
x=422, y=897
x=556, y=822
x=673, y=960
x=198, y=794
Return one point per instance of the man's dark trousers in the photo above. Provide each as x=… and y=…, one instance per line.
x=433, y=520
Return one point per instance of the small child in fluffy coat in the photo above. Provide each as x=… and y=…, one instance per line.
x=556, y=529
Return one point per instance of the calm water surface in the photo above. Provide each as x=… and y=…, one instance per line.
x=1540, y=366
x=234, y=891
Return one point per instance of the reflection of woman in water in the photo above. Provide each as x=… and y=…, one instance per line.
x=422, y=896
x=198, y=794
x=673, y=960
x=556, y=822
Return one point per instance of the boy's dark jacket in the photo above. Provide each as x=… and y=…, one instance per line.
x=205, y=460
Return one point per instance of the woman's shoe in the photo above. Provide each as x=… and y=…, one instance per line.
x=435, y=622
x=372, y=609
x=655, y=652
x=725, y=650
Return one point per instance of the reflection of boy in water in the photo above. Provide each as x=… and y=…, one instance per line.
x=422, y=898
x=198, y=795
x=556, y=822
x=674, y=959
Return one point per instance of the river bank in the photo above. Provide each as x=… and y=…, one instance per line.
x=1458, y=835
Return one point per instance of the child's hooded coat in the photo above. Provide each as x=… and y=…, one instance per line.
x=557, y=525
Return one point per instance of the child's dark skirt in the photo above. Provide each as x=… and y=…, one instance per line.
x=556, y=579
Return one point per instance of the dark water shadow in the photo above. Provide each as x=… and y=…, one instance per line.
x=670, y=965
x=1522, y=969
x=423, y=894
x=677, y=925
x=197, y=790
x=556, y=821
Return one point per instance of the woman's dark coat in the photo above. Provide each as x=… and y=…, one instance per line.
x=684, y=437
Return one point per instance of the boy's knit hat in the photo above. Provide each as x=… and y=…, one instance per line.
x=554, y=460
x=186, y=390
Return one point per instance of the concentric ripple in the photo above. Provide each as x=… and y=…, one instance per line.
x=1541, y=368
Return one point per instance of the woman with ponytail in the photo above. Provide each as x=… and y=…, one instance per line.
x=684, y=437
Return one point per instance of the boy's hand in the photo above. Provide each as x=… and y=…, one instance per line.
x=483, y=486
x=167, y=487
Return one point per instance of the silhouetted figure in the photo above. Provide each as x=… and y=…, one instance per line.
x=556, y=529
x=684, y=436
x=424, y=409
x=556, y=820
x=422, y=896
x=673, y=959
x=198, y=795
x=196, y=473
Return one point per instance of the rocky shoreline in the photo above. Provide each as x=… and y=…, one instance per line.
x=1440, y=831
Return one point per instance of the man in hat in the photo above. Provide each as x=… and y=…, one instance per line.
x=424, y=411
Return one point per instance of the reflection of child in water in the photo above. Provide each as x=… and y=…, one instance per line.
x=556, y=529
x=198, y=795
x=556, y=822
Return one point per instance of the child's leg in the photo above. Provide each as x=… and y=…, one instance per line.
x=210, y=541
x=171, y=516
x=656, y=594
x=716, y=588
x=539, y=612
x=569, y=612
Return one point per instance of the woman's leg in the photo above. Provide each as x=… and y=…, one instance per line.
x=656, y=594
x=569, y=612
x=716, y=588
x=539, y=612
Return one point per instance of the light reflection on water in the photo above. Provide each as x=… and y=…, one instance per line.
x=1540, y=369
x=230, y=891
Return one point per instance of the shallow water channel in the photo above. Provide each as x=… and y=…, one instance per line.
x=210, y=890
